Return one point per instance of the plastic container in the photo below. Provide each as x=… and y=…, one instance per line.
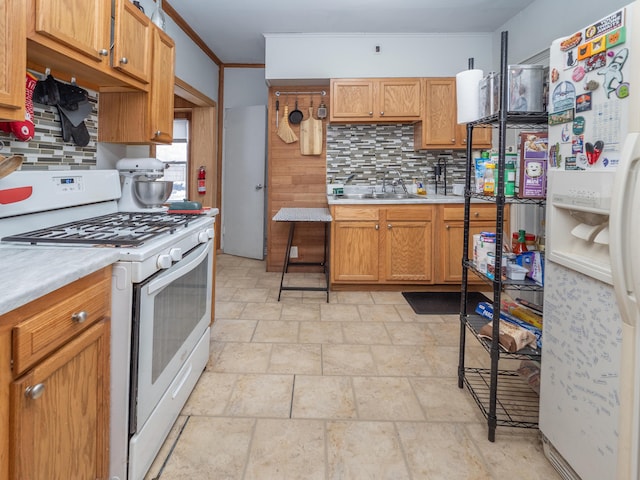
x=526, y=86
x=516, y=272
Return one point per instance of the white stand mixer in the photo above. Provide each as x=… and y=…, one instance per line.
x=132, y=169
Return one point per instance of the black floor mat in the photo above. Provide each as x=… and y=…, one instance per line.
x=441, y=303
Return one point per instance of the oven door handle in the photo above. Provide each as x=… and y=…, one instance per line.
x=182, y=268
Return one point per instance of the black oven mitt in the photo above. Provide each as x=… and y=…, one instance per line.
x=78, y=132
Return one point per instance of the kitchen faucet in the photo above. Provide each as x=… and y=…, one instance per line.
x=349, y=178
x=395, y=182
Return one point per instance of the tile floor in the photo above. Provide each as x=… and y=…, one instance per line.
x=360, y=388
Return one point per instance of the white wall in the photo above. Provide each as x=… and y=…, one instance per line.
x=244, y=87
x=534, y=28
x=313, y=57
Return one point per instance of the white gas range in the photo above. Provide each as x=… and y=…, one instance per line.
x=161, y=295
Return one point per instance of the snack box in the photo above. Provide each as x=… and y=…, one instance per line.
x=533, y=165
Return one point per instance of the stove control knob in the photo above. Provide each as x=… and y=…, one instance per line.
x=205, y=235
x=164, y=261
x=175, y=254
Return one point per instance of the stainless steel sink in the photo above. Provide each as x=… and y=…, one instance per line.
x=376, y=196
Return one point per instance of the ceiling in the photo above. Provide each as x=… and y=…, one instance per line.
x=233, y=29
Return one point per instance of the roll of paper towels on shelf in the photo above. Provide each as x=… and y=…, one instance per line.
x=468, y=95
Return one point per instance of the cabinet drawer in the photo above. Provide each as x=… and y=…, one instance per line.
x=476, y=213
x=413, y=212
x=355, y=213
x=52, y=320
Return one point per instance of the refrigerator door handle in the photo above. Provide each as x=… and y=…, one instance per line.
x=624, y=227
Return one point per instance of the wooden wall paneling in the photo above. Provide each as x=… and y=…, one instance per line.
x=294, y=180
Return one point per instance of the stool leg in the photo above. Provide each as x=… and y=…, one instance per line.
x=285, y=265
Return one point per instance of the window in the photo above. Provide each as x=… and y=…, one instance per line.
x=176, y=156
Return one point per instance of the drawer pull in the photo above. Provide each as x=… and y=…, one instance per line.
x=447, y=227
x=35, y=391
x=476, y=214
x=79, y=317
x=124, y=60
x=377, y=227
x=103, y=53
x=389, y=226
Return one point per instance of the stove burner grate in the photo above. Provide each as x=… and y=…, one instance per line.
x=124, y=229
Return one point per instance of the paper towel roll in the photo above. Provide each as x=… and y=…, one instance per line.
x=468, y=95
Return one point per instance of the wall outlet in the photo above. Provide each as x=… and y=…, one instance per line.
x=294, y=252
x=377, y=49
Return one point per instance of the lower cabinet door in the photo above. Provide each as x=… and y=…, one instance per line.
x=453, y=241
x=355, y=251
x=408, y=247
x=60, y=412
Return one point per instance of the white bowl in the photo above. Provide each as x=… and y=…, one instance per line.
x=152, y=193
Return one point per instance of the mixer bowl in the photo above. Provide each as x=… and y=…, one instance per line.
x=152, y=193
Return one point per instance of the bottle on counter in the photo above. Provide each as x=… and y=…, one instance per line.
x=489, y=186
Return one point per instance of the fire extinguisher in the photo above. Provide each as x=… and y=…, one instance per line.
x=202, y=188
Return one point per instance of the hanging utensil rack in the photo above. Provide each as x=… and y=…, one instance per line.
x=322, y=92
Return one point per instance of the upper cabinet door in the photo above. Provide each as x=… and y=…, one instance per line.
x=13, y=59
x=81, y=25
x=440, y=116
x=162, y=86
x=399, y=99
x=352, y=99
x=132, y=41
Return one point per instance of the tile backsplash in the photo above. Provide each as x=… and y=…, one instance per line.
x=368, y=151
x=47, y=149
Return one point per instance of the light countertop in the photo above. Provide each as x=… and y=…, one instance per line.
x=28, y=273
x=428, y=199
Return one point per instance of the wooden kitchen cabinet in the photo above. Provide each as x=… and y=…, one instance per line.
x=375, y=100
x=13, y=27
x=54, y=383
x=408, y=244
x=482, y=218
x=439, y=127
x=75, y=37
x=143, y=117
x=381, y=244
x=355, y=240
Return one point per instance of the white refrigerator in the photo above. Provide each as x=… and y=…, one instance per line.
x=589, y=394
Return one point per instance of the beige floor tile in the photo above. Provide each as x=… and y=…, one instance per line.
x=365, y=333
x=166, y=448
x=388, y=298
x=443, y=401
x=321, y=332
x=409, y=333
x=251, y=295
x=243, y=358
x=323, y=398
x=225, y=294
x=233, y=271
x=442, y=359
x=241, y=282
x=229, y=309
x=348, y=360
x=210, y=448
x=401, y=360
x=442, y=451
x=408, y=315
x=261, y=396
x=298, y=359
x=276, y=331
x=354, y=297
x=300, y=313
x=379, y=313
x=447, y=333
x=233, y=330
x=516, y=453
x=215, y=350
x=211, y=394
x=268, y=281
x=330, y=312
x=386, y=398
x=364, y=450
x=262, y=311
x=287, y=449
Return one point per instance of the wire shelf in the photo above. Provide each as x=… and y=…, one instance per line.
x=517, y=405
x=524, y=285
x=519, y=120
x=475, y=322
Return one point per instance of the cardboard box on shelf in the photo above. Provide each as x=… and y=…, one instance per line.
x=533, y=165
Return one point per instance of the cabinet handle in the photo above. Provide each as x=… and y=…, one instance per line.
x=371, y=114
x=476, y=214
x=381, y=113
x=389, y=226
x=453, y=140
x=377, y=227
x=103, y=53
x=35, y=391
x=79, y=317
x=124, y=60
x=447, y=227
x=158, y=132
